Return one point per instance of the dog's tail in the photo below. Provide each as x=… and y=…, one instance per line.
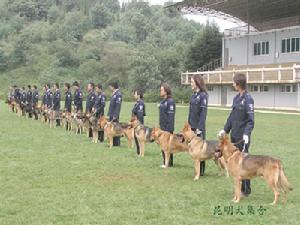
x=282, y=180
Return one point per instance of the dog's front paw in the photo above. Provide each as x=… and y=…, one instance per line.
x=196, y=178
x=236, y=201
x=163, y=166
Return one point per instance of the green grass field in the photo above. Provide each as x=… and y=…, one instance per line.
x=50, y=176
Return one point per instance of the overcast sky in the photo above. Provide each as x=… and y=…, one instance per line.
x=223, y=24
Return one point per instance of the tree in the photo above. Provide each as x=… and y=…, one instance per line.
x=207, y=47
x=74, y=27
x=3, y=60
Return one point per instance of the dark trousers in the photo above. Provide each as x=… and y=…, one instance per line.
x=116, y=141
x=202, y=163
x=170, y=160
x=137, y=145
x=101, y=135
x=246, y=189
x=90, y=132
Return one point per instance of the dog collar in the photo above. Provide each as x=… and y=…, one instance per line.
x=191, y=139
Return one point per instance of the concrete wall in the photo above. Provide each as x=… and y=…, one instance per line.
x=273, y=99
x=240, y=54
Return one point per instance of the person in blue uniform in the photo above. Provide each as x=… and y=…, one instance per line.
x=29, y=101
x=198, y=110
x=56, y=103
x=90, y=102
x=35, y=100
x=240, y=122
x=68, y=98
x=48, y=97
x=98, y=108
x=139, y=111
x=44, y=96
x=17, y=95
x=167, y=109
x=91, y=98
x=115, y=107
x=78, y=96
x=23, y=101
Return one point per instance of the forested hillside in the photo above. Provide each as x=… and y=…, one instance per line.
x=100, y=40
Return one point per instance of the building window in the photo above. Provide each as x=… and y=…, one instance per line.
x=210, y=88
x=264, y=88
x=261, y=48
x=294, y=88
x=283, y=46
x=290, y=45
x=289, y=88
x=253, y=88
x=259, y=88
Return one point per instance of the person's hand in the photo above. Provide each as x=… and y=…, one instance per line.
x=221, y=133
x=246, y=139
x=198, y=132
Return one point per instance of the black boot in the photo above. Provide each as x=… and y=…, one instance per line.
x=246, y=189
x=90, y=132
x=171, y=160
x=163, y=155
x=101, y=136
x=202, y=168
x=137, y=145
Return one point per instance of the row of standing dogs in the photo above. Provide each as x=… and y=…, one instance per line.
x=225, y=154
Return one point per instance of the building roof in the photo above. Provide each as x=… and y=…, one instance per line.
x=260, y=14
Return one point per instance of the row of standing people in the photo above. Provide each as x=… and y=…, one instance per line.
x=239, y=124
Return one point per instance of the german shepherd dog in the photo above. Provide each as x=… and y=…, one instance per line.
x=67, y=120
x=244, y=166
x=115, y=129
x=169, y=143
x=95, y=128
x=44, y=113
x=86, y=123
x=201, y=150
x=78, y=122
x=142, y=134
x=51, y=117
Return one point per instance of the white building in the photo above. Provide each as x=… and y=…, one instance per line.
x=268, y=52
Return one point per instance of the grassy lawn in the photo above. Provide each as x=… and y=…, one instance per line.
x=50, y=176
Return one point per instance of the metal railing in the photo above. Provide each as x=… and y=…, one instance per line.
x=278, y=74
x=213, y=65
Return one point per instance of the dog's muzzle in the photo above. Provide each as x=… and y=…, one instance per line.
x=218, y=153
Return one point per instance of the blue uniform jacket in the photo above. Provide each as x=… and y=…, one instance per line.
x=90, y=101
x=56, y=100
x=78, y=99
x=68, y=101
x=167, y=110
x=35, y=97
x=139, y=110
x=198, y=110
x=48, y=99
x=100, y=104
x=241, y=118
x=115, y=106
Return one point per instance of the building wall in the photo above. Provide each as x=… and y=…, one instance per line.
x=273, y=99
x=240, y=54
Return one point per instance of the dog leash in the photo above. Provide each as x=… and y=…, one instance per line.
x=240, y=141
